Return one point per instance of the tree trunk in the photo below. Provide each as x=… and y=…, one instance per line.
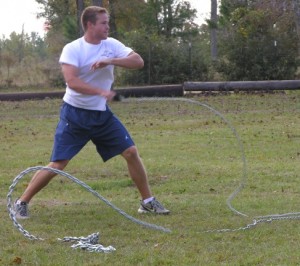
x=97, y=2
x=213, y=30
x=296, y=6
x=80, y=7
x=112, y=21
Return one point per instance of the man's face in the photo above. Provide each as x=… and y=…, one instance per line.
x=101, y=28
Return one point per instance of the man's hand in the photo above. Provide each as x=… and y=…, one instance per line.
x=101, y=64
x=132, y=61
x=109, y=95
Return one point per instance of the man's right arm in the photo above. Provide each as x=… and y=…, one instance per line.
x=70, y=74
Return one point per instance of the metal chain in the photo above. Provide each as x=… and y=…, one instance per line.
x=243, y=179
x=88, y=188
x=82, y=244
x=89, y=246
x=89, y=243
x=11, y=211
x=259, y=220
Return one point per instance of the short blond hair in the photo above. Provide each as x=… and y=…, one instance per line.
x=90, y=13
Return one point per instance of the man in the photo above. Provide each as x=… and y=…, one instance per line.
x=87, y=66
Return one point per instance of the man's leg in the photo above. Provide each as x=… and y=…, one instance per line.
x=138, y=174
x=41, y=179
x=137, y=171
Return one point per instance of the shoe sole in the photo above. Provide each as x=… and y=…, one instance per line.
x=21, y=217
x=146, y=212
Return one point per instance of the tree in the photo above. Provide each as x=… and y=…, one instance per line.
x=97, y=2
x=19, y=53
x=257, y=42
x=169, y=18
x=167, y=61
x=124, y=16
x=296, y=9
x=80, y=7
x=213, y=30
x=9, y=60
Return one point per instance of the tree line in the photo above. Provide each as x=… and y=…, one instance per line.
x=245, y=40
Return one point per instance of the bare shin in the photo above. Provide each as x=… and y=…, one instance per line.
x=41, y=179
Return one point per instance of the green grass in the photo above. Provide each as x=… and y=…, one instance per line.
x=194, y=163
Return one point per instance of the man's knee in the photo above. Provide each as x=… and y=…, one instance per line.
x=130, y=153
x=60, y=165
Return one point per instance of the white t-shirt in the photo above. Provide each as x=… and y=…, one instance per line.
x=82, y=55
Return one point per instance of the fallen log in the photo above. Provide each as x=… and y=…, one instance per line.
x=243, y=85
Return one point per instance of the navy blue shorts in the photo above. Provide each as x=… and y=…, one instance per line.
x=78, y=126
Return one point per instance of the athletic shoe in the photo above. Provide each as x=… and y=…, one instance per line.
x=153, y=206
x=21, y=209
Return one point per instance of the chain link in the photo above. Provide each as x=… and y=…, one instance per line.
x=89, y=243
x=83, y=243
x=243, y=178
x=259, y=220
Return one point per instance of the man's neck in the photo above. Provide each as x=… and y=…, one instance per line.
x=89, y=39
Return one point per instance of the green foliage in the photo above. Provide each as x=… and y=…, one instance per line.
x=168, y=41
x=167, y=61
x=169, y=18
x=257, y=44
x=168, y=23
x=257, y=40
x=125, y=16
x=70, y=28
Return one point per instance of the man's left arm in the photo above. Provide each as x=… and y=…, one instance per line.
x=132, y=61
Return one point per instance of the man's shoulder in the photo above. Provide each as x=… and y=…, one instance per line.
x=111, y=40
x=74, y=43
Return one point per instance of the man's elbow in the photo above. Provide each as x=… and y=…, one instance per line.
x=140, y=63
x=71, y=82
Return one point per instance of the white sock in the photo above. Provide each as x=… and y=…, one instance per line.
x=19, y=202
x=148, y=200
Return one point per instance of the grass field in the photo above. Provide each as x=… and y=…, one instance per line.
x=194, y=163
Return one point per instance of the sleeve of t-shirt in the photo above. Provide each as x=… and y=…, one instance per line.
x=120, y=50
x=69, y=56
